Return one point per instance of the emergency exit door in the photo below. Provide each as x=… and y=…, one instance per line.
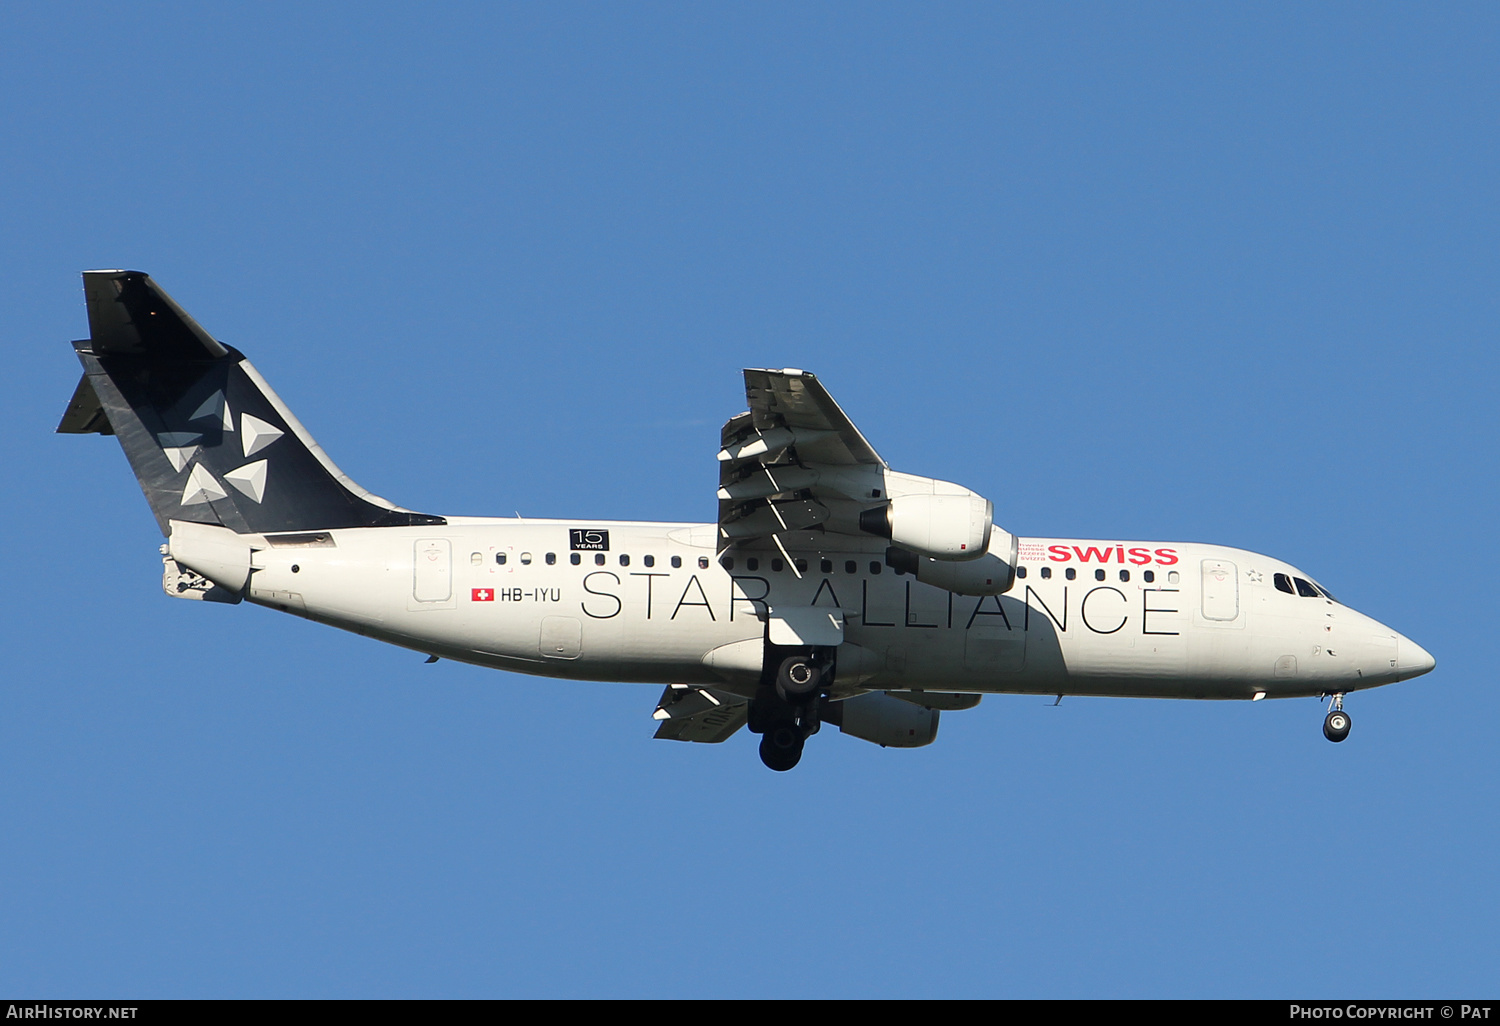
x=433, y=579
x=1221, y=590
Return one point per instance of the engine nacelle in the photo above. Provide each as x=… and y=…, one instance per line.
x=888, y=722
x=953, y=526
x=991, y=574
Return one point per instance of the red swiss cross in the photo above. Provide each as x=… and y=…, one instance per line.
x=482, y=595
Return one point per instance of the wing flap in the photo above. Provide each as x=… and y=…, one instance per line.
x=791, y=463
x=797, y=400
x=705, y=715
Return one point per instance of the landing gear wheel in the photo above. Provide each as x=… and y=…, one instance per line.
x=798, y=677
x=781, y=747
x=1336, y=725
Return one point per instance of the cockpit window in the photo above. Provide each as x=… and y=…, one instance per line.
x=1304, y=587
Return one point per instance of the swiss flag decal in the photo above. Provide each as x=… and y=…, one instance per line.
x=482, y=595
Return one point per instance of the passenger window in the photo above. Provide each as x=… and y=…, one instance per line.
x=476, y=558
x=777, y=565
x=1125, y=576
x=727, y=562
x=1305, y=588
x=802, y=566
x=598, y=559
x=1284, y=583
x=676, y=562
x=1070, y=574
x=526, y=558
x=826, y=566
x=575, y=559
x=1021, y=572
x=499, y=559
x=624, y=559
x=649, y=560
x=702, y=562
x=851, y=567
x=1099, y=575
x=752, y=563
x=1150, y=576
x=874, y=567
x=1173, y=577
x=1046, y=573
x=551, y=558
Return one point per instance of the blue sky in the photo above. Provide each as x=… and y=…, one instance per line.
x=1220, y=273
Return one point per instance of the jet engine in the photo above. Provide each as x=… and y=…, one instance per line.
x=952, y=526
x=888, y=722
x=992, y=573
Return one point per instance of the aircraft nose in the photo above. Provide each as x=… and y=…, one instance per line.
x=1412, y=659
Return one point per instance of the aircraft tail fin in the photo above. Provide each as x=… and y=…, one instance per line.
x=208, y=439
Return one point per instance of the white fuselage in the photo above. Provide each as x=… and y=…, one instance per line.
x=1146, y=619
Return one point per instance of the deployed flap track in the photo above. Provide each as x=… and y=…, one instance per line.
x=208, y=440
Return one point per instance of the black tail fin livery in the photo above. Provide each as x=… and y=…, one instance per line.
x=207, y=438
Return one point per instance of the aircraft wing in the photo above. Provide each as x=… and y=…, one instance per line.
x=793, y=462
x=797, y=401
x=709, y=715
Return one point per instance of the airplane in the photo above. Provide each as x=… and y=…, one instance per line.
x=832, y=589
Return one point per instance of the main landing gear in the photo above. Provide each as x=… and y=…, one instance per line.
x=1337, y=723
x=785, y=709
x=798, y=677
x=781, y=746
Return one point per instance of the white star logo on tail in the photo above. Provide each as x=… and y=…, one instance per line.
x=179, y=446
x=215, y=406
x=250, y=479
x=256, y=434
x=179, y=456
x=201, y=487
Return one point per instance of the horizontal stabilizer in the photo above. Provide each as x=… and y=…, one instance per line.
x=85, y=414
x=130, y=314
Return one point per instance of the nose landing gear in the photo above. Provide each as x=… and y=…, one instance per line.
x=1337, y=723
